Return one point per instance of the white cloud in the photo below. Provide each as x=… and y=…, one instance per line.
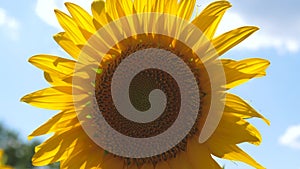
x=9, y=25
x=262, y=39
x=45, y=9
x=278, y=30
x=291, y=137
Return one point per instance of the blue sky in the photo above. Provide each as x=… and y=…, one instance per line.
x=26, y=31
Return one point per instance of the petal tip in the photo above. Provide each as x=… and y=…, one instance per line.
x=25, y=99
x=30, y=137
x=70, y=4
x=32, y=59
x=267, y=121
x=251, y=28
x=56, y=11
x=59, y=13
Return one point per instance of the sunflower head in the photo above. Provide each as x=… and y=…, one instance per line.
x=146, y=88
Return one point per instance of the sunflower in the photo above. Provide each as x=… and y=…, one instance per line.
x=145, y=88
x=2, y=161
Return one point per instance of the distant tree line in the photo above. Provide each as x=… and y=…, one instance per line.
x=17, y=151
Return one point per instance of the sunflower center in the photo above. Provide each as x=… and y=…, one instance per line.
x=154, y=95
x=141, y=87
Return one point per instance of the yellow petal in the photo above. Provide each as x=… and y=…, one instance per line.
x=199, y=156
x=60, y=146
x=180, y=161
x=233, y=152
x=53, y=64
x=231, y=131
x=71, y=27
x=171, y=6
x=186, y=9
x=127, y=6
x=83, y=19
x=208, y=20
x=68, y=45
x=54, y=98
x=58, y=71
x=56, y=80
x=145, y=6
x=158, y=6
x=114, y=9
x=99, y=14
x=62, y=121
x=228, y=40
x=240, y=108
x=251, y=65
x=234, y=130
x=238, y=72
x=88, y=157
x=98, y=7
